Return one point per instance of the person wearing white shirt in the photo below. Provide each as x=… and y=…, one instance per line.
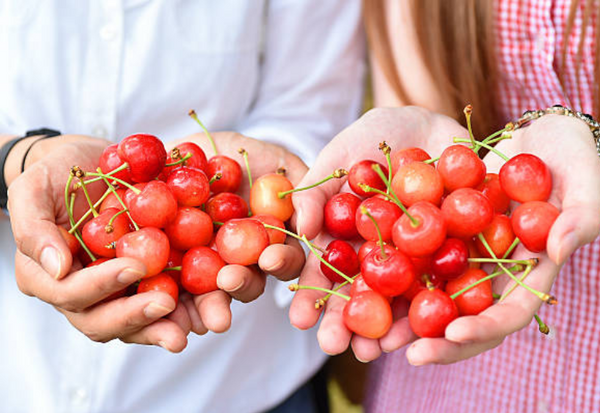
x=286, y=72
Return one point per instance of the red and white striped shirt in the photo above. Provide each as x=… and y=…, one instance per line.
x=529, y=372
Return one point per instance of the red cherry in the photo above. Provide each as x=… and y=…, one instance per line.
x=430, y=312
x=460, y=167
x=110, y=160
x=197, y=160
x=190, y=228
x=467, y=213
x=199, y=270
x=385, y=214
x=342, y=256
x=148, y=245
x=424, y=239
x=365, y=249
x=390, y=276
x=99, y=237
x=491, y=188
x=451, y=259
x=525, y=178
x=406, y=156
x=72, y=243
x=532, y=221
x=231, y=174
x=175, y=260
x=225, y=206
x=241, y=241
x=111, y=200
x=129, y=194
x=189, y=186
x=368, y=314
x=420, y=284
x=340, y=215
x=499, y=235
x=145, y=154
x=275, y=237
x=155, y=206
x=422, y=265
x=264, y=197
x=162, y=283
x=359, y=285
x=475, y=300
x=363, y=173
x=417, y=181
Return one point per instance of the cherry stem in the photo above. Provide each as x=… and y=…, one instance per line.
x=337, y=174
x=296, y=287
x=117, y=180
x=112, y=189
x=192, y=114
x=489, y=138
x=177, y=268
x=321, y=301
x=385, y=148
x=293, y=235
x=512, y=288
x=76, y=234
x=544, y=329
x=494, y=139
x=324, y=261
x=390, y=198
x=180, y=161
x=218, y=223
x=486, y=146
x=80, y=174
x=112, y=219
x=468, y=110
x=495, y=296
x=114, y=171
x=88, y=212
x=542, y=296
x=365, y=211
x=432, y=160
x=503, y=260
x=415, y=222
x=244, y=154
x=215, y=178
x=516, y=268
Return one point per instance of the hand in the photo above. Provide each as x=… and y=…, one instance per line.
x=400, y=128
x=211, y=311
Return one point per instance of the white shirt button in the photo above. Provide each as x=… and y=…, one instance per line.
x=108, y=32
x=99, y=131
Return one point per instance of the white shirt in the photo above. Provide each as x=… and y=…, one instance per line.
x=288, y=71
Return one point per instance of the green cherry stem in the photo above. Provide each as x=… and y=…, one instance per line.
x=432, y=160
x=512, y=287
x=368, y=188
x=114, y=171
x=337, y=174
x=532, y=261
x=88, y=212
x=485, y=145
x=192, y=114
x=365, y=211
x=385, y=148
x=76, y=233
x=293, y=235
x=544, y=329
x=109, y=227
x=78, y=173
x=112, y=189
x=177, y=268
x=180, y=160
x=324, y=261
x=468, y=110
x=516, y=268
x=296, y=287
x=321, y=301
x=215, y=178
x=244, y=154
x=415, y=222
x=67, y=191
x=117, y=180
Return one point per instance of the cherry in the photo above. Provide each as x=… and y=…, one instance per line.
x=430, y=312
x=422, y=265
x=525, y=178
x=72, y=243
x=110, y=160
x=474, y=300
x=340, y=215
x=532, y=221
x=190, y=228
x=189, y=186
x=225, y=206
x=175, y=260
x=342, y=256
x=199, y=270
x=111, y=200
x=363, y=173
x=420, y=284
x=389, y=273
x=196, y=158
x=130, y=194
x=467, y=213
x=491, y=188
x=359, y=285
x=231, y=174
x=365, y=249
x=155, y=206
x=416, y=182
x=162, y=283
x=368, y=314
x=460, y=167
x=145, y=154
x=451, y=259
x=100, y=235
x=148, y=245
x=241, y=241
x=424, y=239
x=384, y=212
x=499, y=235
x=406, y=156
x=275, y=236
x=265, y=199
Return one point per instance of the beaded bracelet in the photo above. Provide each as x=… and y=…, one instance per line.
x=531, y=115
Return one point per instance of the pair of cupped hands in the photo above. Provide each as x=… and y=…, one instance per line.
x=46, y=270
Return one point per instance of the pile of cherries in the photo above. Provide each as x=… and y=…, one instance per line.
x=425, y=226
x=178, y=213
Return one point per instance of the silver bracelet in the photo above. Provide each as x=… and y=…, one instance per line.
x=531, y=115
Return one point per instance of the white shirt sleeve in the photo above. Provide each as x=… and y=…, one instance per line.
x=311, y=84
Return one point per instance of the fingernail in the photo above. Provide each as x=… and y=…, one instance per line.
x=361, y=360
x=129, y=275
x=225, y=283
x=567, y=246
x=164, y=345
x=154, y=310
x=414, y=363
x=51, y=263
x=275, y=267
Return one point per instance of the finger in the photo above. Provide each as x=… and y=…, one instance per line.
x=214, y=310
x=399, y=335
x=181, y=317
x=284, y=261
x=123, y=316
x=441, y=351
x=80, y=289
x=574, y=227
x=164, y=333
x=198, y=326
x=365, y=349
x=242, y=283
x=333, y=336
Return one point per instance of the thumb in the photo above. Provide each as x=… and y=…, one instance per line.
x=574, y=227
